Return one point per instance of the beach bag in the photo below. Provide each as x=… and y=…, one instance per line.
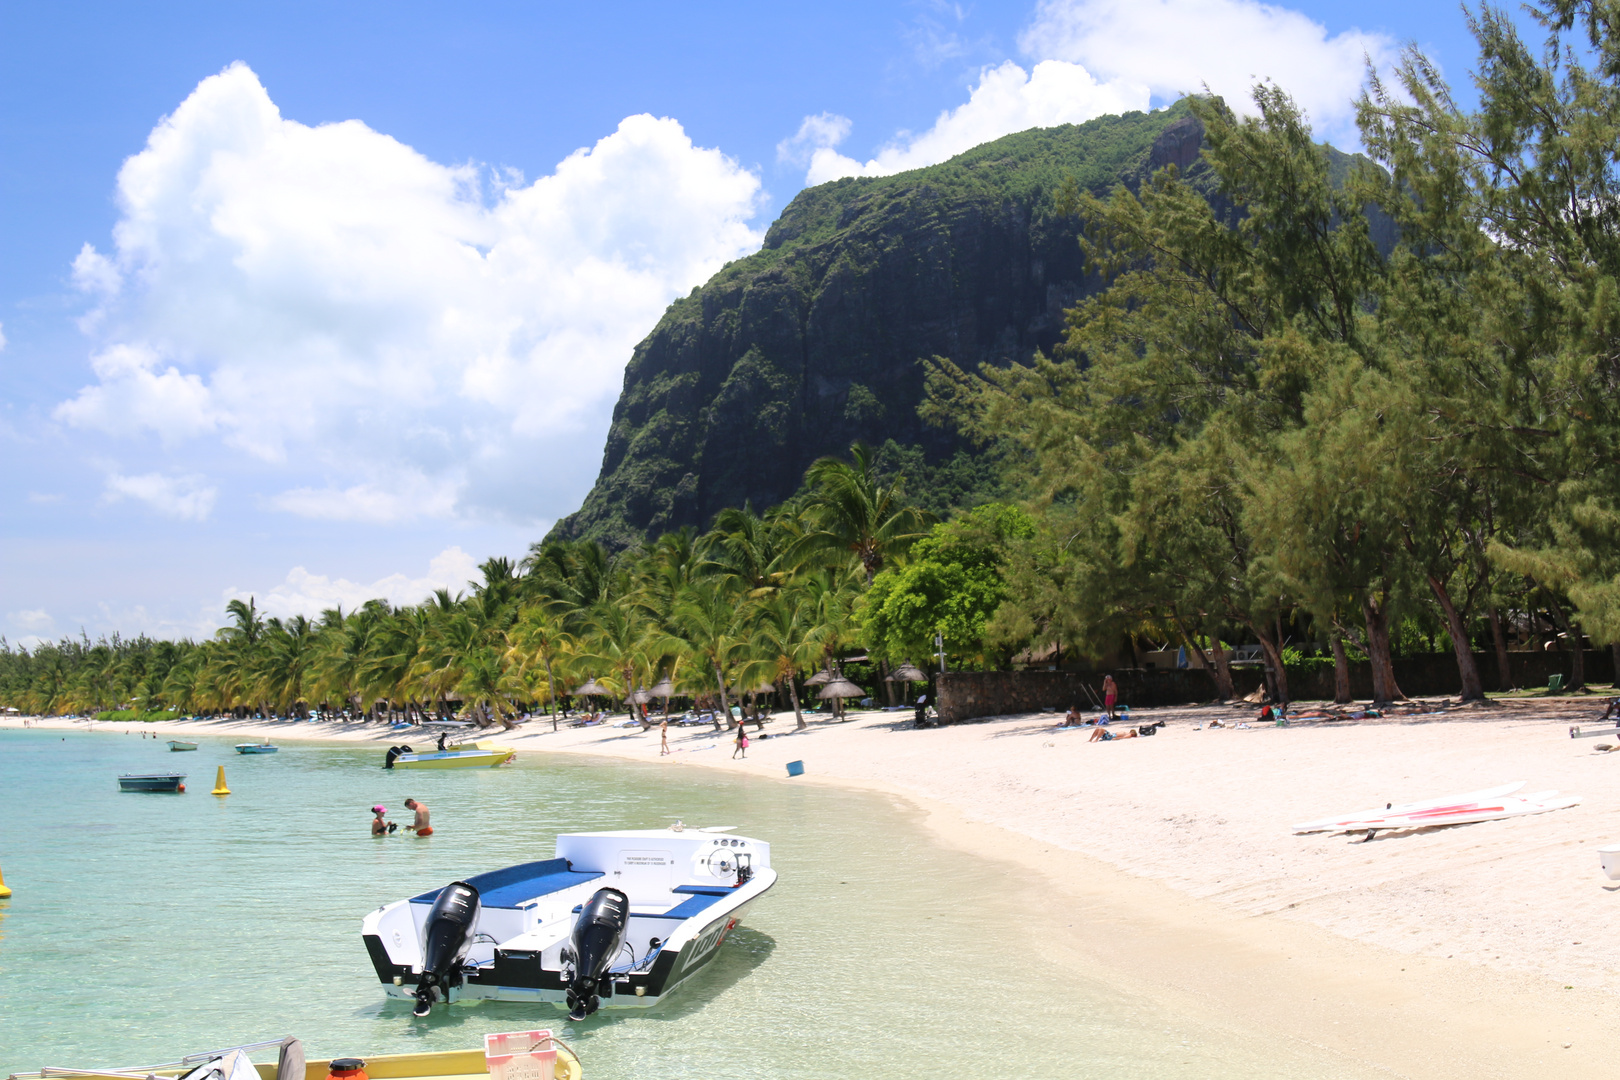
x=745, y=742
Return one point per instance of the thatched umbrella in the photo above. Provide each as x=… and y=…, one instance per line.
x=838, y=689
x=592, y=687
x=907, y=672
x=820, y=678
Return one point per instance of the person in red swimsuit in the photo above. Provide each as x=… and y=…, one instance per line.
x=422, y=827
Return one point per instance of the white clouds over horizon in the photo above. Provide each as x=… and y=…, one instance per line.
x=1096, y=57
x=304, y=593
x=187, y=498
x=391, y=337
x=1006, y=99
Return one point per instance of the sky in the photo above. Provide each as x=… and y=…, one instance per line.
x=315, y=302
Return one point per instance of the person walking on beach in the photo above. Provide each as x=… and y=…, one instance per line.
x=422, y=825
x=1110, y=695
x=663, y=738
x=741, y=743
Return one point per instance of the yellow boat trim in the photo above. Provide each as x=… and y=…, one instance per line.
x=497, y=755
x=436, y=1065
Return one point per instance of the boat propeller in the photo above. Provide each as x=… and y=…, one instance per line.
x=448, y=937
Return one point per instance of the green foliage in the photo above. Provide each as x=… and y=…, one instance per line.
x=951, y=584
x=136, y=716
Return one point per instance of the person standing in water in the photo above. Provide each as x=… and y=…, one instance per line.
x=422, y=825
x=663, y=738
x=379, y=827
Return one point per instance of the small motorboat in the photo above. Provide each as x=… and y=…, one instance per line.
x=152, y=782
x=233, y=1063
x=473, y=755
x=616, y=920
x=256, y=748
x=176, y=744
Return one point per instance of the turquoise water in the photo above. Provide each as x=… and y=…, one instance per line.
x=146, y=926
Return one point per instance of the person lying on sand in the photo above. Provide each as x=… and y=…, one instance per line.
x=1104, y=735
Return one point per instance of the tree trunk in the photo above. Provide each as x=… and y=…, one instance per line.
x=1504, y=673
x=1277, y=675
x=1223, y=666
x=883, y=677
x=1378, y=652
x=1614, y=658
x=1572, y=634
x=1467, y=670
x=725, y=706
x=1341, y=669
x=798, y=713
x=551, y=689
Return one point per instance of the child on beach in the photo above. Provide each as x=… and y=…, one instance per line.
x=742, y=744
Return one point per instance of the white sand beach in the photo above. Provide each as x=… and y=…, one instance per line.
x=1168, y=862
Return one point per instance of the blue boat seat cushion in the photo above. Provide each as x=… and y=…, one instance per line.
x=512, y=886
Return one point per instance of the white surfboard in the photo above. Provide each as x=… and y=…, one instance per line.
x=1490, y=810
x=1468, y=799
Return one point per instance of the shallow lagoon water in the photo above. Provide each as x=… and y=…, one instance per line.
x=145, y=926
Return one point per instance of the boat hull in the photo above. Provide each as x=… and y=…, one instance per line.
x=152, y=782
x=254, y=748
x=176, y=744
x=455, y=759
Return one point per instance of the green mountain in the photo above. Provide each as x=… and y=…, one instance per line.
x=815, y=340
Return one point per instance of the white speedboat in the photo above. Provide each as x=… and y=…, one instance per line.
x=615, y=920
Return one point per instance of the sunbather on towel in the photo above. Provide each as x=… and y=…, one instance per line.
x=1104, y=735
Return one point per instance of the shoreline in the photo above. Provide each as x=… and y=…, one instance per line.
x=1478, y=950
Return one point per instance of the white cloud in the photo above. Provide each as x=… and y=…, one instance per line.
x=408, y=497
x=328, y=300
x=188, y=498
x=133, y=396
x=2, y=337
x=1006, y=99
x=1174, y=47
x=304, y=593
x=36, y=621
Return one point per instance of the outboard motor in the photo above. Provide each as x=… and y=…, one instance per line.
x=598, y=936
x=394, y=752
x=449, y=936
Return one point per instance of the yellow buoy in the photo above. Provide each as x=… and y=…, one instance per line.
x=219, y=783
x=5, y=893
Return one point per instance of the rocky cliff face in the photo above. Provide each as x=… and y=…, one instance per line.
x=815, y=341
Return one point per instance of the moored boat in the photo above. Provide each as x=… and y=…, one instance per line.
x=474, y=755
x=256, y=748
x=615, y=920
x=152, y=782
x=176, y=744
x=234, y=1064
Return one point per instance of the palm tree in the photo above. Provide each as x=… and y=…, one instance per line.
x=782, y=644
x=539, y=637
x=711, y=623
x=851, y=512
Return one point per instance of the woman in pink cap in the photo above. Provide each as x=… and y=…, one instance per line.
x=379, y=827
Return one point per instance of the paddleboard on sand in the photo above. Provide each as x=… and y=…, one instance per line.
x=1485, y=811
x=1456, y=802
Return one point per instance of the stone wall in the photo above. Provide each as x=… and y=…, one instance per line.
x=964, y=695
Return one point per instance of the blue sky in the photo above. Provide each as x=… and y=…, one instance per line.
x=353, y=316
